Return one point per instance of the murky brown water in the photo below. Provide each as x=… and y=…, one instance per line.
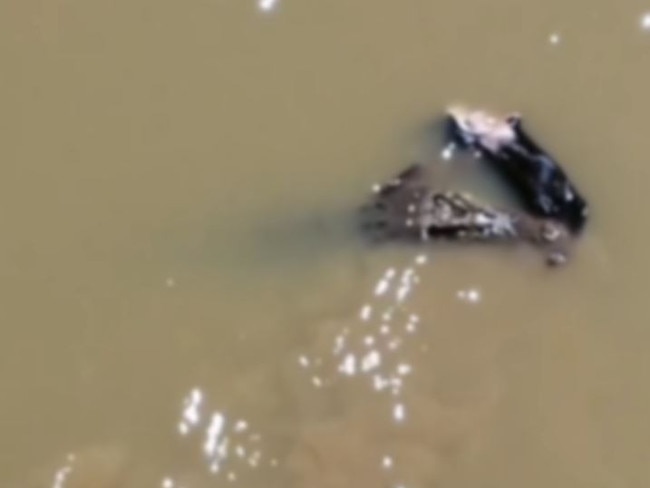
x=185, y=305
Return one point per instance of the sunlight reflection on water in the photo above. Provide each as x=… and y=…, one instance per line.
x=267, y=5
x=645, y=21
x=229, y=444
x=390, y=414
x=373, y=349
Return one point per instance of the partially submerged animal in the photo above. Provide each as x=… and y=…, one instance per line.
x=408, y=208
x=542, y=184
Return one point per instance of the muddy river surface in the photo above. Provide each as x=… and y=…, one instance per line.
x=185, y=302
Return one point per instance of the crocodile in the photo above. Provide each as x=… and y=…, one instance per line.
x=408, y=208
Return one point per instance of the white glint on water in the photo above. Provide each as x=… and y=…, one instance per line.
x=380, y=383
x=645, y=21
x=369, y=341
x=191, y=411
x=382, y=287
x=61, y=476
x=213, y=434
x=370, y=361
x=267, y=5
x=404, y=369
x=403, y=292
x=448, y=152
x=349, y=365
x=365, y=313
x=339, y=344
x=471, y=295
x=399, y=412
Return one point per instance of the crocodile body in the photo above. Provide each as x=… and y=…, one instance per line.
x=408, y=208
